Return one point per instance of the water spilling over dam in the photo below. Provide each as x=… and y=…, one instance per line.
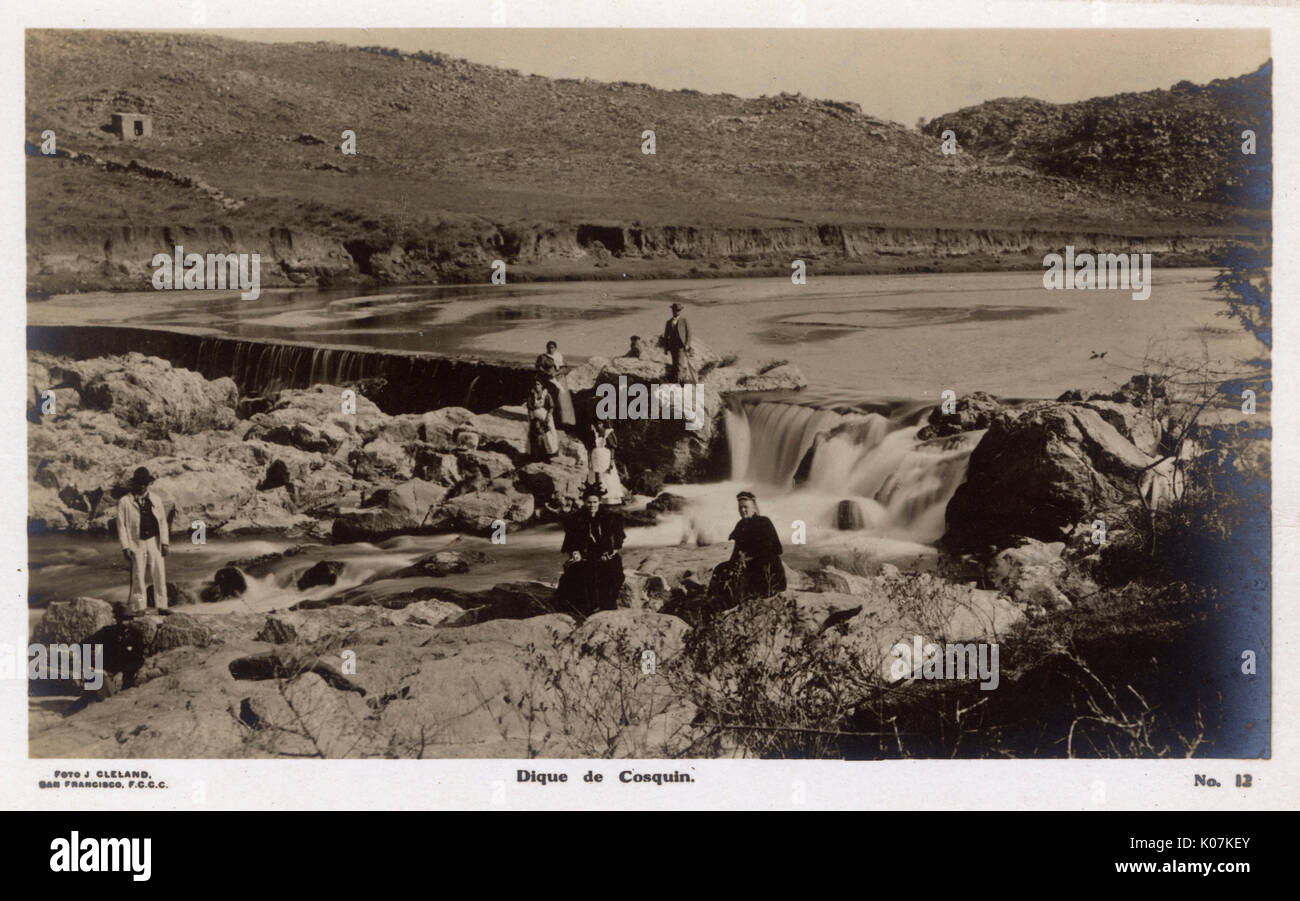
x=847, y=471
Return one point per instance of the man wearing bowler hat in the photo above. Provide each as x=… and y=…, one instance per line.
x=677, y=341
x=142, y=532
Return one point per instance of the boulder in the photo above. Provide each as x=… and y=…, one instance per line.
x=1038, y=473
x=400, y=430
x=436, y=466
x=627, y=635
x=441, y=427
x=227, y=582
x=324, y=572
x=258, y=457
x=321, y=438
x=72, y=622
x=379, y=460
x=476, y=512
x=667, y=502
x=307, y=716
x=901, y=609
x=553, y=486
x=181, y=594
x=312, y=419
x=442, y=563
x=971, y=412
x=269, y=510
x=483, y=464
x=152, y=395
x=390, y=511
x=425, y=613
x=830, y=578
x=1030, y=573
x=1131, y=422
x=504, y=430
x=178, y=630
x=643, y=591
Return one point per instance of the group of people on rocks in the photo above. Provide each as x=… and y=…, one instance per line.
x=550, y=405
x=593, y=535
x=593, y=566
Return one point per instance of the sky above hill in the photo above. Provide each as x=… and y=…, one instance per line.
x=898, y=74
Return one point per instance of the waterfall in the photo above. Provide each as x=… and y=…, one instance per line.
x=775, y=438
x=404, y=382
x=848, y=471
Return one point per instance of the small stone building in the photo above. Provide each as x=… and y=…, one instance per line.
x=132, y=126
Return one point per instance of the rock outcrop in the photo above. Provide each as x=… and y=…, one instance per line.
x=1040, y=470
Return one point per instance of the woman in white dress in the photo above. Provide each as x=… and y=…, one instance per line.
x=601, y=466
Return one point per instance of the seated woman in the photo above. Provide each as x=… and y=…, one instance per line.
x=549, y=366
x=601, y=468
x=593, y=572
x=755, y=569
x=543, y=441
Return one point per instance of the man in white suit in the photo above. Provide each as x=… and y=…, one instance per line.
x=142, y=532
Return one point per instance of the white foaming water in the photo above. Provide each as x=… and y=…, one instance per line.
x=860, y=473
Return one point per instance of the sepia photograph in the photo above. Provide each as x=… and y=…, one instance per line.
x=650, y=394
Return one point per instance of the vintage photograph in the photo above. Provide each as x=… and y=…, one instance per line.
x=657, y=394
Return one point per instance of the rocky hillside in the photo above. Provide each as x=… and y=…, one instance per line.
x=1185, y=142
x=458, y=163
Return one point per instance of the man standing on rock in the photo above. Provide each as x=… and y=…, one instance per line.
x=593, y=572
x=142, y=532
x=677, y=341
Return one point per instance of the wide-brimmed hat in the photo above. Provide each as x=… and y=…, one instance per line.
x=592, y=489
x=677, y=308
x=141, y=478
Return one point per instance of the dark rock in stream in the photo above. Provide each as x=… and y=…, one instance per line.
x=325, y=572
x=229, y=582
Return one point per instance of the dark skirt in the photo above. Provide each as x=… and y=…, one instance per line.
x=590, y=585
x=738, y=580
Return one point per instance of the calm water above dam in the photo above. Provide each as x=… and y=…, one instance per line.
x=855, y=337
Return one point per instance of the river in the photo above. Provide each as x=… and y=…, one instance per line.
x=877, y=351
x=855, y=337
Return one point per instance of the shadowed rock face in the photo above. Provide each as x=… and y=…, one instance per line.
x=1040, y=470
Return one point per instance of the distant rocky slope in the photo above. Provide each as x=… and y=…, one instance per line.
x=458, y=164
x=1185, y=142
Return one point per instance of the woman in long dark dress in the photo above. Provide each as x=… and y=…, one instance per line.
x=593, y=570
x=755, y=569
